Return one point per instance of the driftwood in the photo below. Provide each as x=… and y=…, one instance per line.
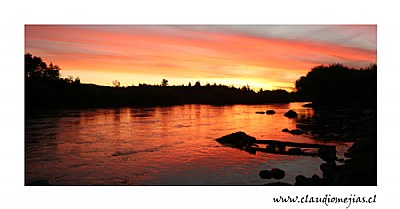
x=250, y=144
x=294, y=144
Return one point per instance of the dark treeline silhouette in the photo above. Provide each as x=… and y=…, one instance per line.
x=45, y=88
x=338, y=84
x=323, y=84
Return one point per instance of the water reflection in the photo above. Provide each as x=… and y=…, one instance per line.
x=160, y=146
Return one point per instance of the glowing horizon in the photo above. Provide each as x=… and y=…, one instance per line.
x=268, y=57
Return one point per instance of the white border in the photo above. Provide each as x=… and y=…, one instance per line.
x=17, y=13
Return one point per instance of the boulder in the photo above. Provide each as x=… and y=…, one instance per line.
x=237, y=139
x=271, y=148
x=270, y=112
x=285, y=130
x=291, y=114
x=315, y=180
x=308, y=105
x=277, y=173
x=327, y=167
x=281, y=147
x=315, y=177
x=265, y=174
x=329, y=170
x=302, y=181
x=295, y=151
x=296, y=132
x=327, y=154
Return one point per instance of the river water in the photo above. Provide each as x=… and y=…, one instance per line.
x=161, y=145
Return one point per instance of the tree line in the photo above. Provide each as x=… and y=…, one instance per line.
x=323, y=84
x=337, y=83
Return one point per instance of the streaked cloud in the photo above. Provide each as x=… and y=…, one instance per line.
x=261, y=56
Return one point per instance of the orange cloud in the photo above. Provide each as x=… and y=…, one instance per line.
x=148, y=54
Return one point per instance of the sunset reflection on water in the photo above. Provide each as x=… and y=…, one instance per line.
x=160, y=145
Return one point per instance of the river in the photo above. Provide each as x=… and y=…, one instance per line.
x=161, y=145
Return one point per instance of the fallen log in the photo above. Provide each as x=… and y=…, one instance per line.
x=294, y=144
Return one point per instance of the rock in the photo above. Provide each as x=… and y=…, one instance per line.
x=238, y=139
x=39, y=182
x=281, y=147
x=296, y=132
x=302, y=181
x=277, y=173
x=328, y=170
x=271, y=148
x=308, y=105
x=259, y=112
x=265, y=174
x=291, y=114
x=348, y=161
x=346, y=154
x=285, y=130
x=249, y=149
x=315, y=180
x=327, y=167
x=270, y=112
x=327, y=154
x=315, y=177
x=361, y=146
x=295, y=151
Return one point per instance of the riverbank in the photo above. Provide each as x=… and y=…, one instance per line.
x=353, y=123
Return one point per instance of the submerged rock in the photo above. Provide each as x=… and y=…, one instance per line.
x=296, y=132
x=281, y=148
x=315, y=180
x=327, y=154
x=270, y=112
x=277, y=173
x=308, y=105
x=329, y=170
x=291, y=114
x=271, y=148
x=260, y=112
x=238, y=139
x=302, y=181
x=265, y=174
x=285, y=130
x=295, y=151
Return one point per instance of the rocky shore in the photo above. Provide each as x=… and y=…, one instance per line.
x=353, y=123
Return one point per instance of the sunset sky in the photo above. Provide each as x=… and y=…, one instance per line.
x=268, y=57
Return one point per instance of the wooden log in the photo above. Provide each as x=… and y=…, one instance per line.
x=294, y=144
x=258, y=149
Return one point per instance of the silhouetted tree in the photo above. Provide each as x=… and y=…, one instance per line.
x=190, y=84
x=36, y=68
x=197, y=84
x=116, y=83
x=77, y=80
x=337, y=83
x=164, y=82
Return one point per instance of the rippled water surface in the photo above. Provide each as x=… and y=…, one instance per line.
x=160, y=145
